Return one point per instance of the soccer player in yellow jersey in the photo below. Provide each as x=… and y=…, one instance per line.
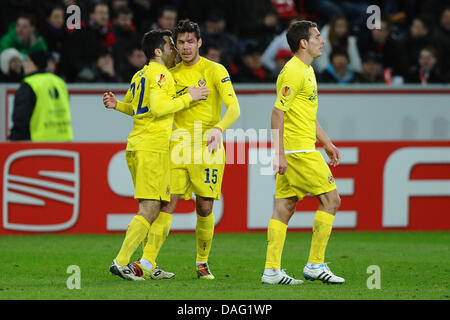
x=203, y=174
x=197, y=153
x=152, y=99
x=301, y=169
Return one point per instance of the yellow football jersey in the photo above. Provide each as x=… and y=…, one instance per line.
x=205, y=73
x=297, y=96
x=152, y=98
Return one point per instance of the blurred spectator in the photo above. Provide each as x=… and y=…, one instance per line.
x=392, y=53
x=337, y=34
x=11, y=66
x=213, y=31
x=212, y=52
x=87, y=44
x=338, y=70
x=143, y=14
x=256, y=20
x=54, y=33
x=167, y=18
x=52, y=66
x=251, y=68
x=427, y=70
x=281, y=58
x=278, y=43
x=371, y=70
x=136, y=60
x=22, y=35
x=400, y=13
x=441, y=40
x=125, y=34
x=286, y=11
x=102, y=71
x=9, y=11
x=116, y=4
x=419, y=37
x=432, y=8
x=41, y=104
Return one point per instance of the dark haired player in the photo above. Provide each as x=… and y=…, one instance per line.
x=300, y=168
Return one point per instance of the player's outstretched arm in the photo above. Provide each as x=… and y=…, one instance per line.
x=330, y=148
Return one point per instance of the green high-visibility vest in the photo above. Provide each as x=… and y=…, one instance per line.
x=51, y=120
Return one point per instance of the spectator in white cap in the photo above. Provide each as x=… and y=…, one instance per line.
x=11, y=66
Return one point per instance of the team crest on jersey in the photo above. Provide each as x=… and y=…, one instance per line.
x=286, y=91
x=330, y=180
x=161, y=79
x=201, y=82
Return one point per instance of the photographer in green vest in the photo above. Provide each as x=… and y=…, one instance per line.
x=41, y=104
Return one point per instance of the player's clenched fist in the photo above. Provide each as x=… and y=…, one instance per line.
x=109, y=100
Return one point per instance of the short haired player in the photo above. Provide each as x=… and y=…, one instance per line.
x=151, y=101
x=300, y=168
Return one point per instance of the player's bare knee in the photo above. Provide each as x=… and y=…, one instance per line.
x=204, y=209
x=332, y=203
x=336, y=202
x=284, y=209
x=204, y=206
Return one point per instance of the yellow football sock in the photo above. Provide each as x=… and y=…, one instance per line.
x=276, y=235
x=156, y=236
x=136, y=232
x=204, y=232
x=167, y=220
x=322, y=226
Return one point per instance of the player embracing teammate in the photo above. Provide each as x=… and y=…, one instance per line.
x=197, y=155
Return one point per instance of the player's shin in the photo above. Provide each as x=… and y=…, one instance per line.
x=322, y=226
x=276, y=235
x=156, y=237
x=204, y=233
x=166, y=219
x=136, y=233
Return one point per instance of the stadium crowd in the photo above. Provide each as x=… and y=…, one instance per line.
x=247, y=37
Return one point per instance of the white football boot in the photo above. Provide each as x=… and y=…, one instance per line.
x=280, y=278
x=322, y=273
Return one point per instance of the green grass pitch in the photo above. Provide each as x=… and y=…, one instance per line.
x=413, y=265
